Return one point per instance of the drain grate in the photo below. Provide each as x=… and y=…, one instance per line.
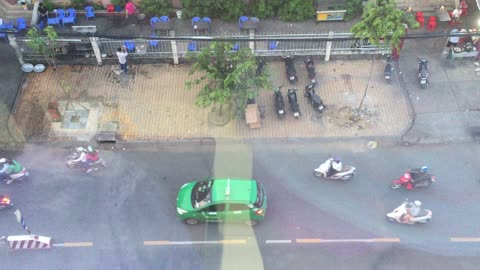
x=75, y=119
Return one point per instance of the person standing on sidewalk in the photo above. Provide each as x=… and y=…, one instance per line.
x=43, y=18
x=122, y=59
x=129, y=9
x=453, y=40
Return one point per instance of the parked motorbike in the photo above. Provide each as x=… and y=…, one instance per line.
x=314, y=99
x=399, y=214
x=72, y=163
x=422, y=72
x=290, y=69
x=347, y=172
x=388, y=72
x=260, y=67
x=279, y=104
x=310, y=65
x=5, y=202
x=292, y=99
x=414, y=178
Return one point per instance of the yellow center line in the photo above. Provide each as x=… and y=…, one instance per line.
x=465, y=239
x=78, y=244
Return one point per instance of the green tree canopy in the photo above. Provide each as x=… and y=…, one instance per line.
x=44, y=43
x=383, y=21
x=228, y=77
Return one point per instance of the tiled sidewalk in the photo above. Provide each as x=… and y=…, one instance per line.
x=152, y=103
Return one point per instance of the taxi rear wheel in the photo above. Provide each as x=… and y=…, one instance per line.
x=191, y=221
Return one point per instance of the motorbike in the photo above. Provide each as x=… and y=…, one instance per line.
x=22, y=175
x=388, y=72
x=260, y=67
x=398, y=215
x=5, y=202
x=422, y=72
x=290, y=69
x=315, y=100
x=347, y=172
x=72, y=163
x=279, y=104
x=413, y=178
x=310, y=65
x=292, y=99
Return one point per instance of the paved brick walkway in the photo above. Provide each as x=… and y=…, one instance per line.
x=152, y=104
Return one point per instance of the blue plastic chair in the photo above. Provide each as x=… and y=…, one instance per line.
x=236, y=47
x=196, y=20
x=272, y=45
x=192, y=46
x=21, y=24
x=164, y=19
x=241, y=20
x=153, y=21
x=154, y=43
x=254, y=19
x=4, y=35
x=206, y=19
x=130, y=45
x=58, y=19
x=89, y=13
x=71, y=16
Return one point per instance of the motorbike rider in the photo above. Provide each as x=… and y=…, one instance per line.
x=413, y=210
x=13, y=167
x=3, y=171
x=91, y=157
x=335, y=166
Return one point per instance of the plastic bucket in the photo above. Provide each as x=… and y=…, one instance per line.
x=179, y=14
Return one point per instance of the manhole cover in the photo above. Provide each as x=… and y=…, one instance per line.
x=75, y=119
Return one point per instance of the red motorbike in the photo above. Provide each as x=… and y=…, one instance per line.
x=414, y=178
x=5, y=202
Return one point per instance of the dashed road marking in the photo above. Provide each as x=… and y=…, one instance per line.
x=465, y=239
x=371, y=240
x=74, y=244
x=278, y=241
x=223, y=242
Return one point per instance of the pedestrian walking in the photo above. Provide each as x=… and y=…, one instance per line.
x=43, y=12
x=453, y=40
x=122, y=58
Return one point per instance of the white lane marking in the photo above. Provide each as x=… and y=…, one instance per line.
x=58, y=245
x=223, y=242
x=371, y=240
x=73, y=244
x=278, y=241
x=465, y=239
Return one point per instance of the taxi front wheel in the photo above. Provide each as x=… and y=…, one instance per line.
x=191, y=221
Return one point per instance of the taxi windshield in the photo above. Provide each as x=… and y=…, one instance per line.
x=202, y=193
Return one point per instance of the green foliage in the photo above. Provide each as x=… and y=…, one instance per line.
x=49, y=5
x=156, y=7
x=78, y=4
x=261, y=9
x=44, y=44
x=297, y=10
x=383, y=22
x=229, y=77
x=354, y=8
x=98, y=6
x=118, y=2
x=228, y=10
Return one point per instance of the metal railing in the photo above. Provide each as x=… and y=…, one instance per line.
x=175, y=47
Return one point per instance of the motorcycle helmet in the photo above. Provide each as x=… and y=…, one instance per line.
x=3, y=160
x=90, y=149
x=424, y=169
x=337, y=159
x=417, y=203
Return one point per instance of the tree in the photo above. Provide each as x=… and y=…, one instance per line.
x=46, y=45
x=154, y=7
x=228, y=78
x=382, y=21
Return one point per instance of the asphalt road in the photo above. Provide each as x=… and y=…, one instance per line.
x=124, y=218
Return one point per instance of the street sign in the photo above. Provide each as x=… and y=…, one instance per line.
x=21, y=221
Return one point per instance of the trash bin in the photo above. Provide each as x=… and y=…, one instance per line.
x=179, y=14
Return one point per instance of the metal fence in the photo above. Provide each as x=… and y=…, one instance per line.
x=175, y=47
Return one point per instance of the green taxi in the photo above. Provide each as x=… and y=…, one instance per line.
x=222, y=200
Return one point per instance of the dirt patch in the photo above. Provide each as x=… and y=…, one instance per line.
x=349, y=117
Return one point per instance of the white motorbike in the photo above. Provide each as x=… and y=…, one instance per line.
x=347, y=172
x=399, y=215
x=22, y=175
x=72, y=163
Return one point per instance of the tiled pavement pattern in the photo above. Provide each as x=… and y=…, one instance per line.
x=151, y=103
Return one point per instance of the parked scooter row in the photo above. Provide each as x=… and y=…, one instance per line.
x=422, y=71
x=407, y=212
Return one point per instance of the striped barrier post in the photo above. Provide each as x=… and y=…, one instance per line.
x=28, y=241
